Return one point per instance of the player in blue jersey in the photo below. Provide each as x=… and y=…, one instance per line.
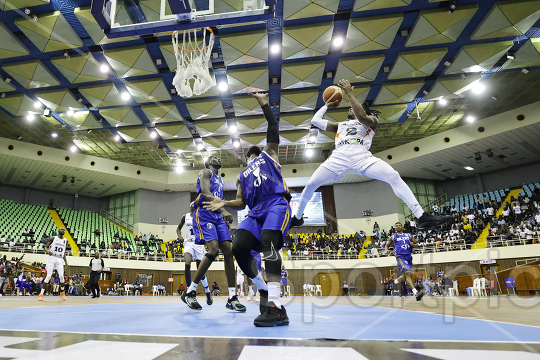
x=284, y=275
x=211, y=229
x=403, y=244
x=262, y=187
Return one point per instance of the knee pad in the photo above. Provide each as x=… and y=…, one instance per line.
x=210, y=256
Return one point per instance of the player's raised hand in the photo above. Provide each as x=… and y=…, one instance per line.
x=213, y=205
x=332, y=104
x=258, y=96
x=346, y=86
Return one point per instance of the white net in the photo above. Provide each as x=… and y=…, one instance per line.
x=192, y=59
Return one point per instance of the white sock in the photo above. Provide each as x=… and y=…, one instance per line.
x=232, y=292
x=320, y=177
x=250, y=288
x=414, y=291
x=259, y=281
x=396, y=281
x=192, y=287
x=204, y=282
x=273, y=293
x=42, y=290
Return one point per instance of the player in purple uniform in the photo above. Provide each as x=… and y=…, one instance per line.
x=210, y=229
x=262, y=187
x=403, y=244
x=284, y=275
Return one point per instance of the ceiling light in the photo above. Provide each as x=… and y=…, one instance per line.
x=70, y=112
x=495, y=97
x=73, y=148
x=236, y=144
x=338, y=41
x=37, y=105
x=30, y=117
x=313, y=139
x=469, y=168
x=223, y=86
x=34, y=17
x=478, y=88
x=525, y=71
x=309, y=152
x=205, y=159
x=66, y=55
x=232, y=128
x=54, y=135
x=443, y=102
x=27, y=11
x=447, y=63
x=153, y=134
x=200, y=146
x=104, y=68
x=125, y=96
x=510, y=56
x=179, y=169
x=274, y=49
x=470, y=118
x=178, y=151
x=117, y=138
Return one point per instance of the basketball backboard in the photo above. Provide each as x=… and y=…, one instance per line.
x=123, y=18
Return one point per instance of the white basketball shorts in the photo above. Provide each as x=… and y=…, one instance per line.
x=57, y=263
x=348, y=159
x=196, y=251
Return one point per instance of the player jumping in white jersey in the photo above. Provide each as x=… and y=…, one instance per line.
x=192, y=251
x=56, y=246
x=353, y=141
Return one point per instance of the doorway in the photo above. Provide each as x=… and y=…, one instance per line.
x=490, y=268
x=330, y=283
x=177, y=279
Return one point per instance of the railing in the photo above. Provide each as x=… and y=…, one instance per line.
x=115, y=219
x=427, y=208
x=526, y=261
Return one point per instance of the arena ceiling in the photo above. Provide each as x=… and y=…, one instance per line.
x=395, y=52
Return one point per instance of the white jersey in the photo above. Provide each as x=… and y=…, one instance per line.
x=354, y=134
x=58, y=247
x=190, y=235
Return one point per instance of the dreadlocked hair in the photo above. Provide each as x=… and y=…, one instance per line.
x=369, y=110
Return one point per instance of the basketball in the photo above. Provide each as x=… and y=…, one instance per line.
x=332, y=93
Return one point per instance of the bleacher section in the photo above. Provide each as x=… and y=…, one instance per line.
x=529, y=189
x=16, y=217
x=82, y=224
x=469, y=200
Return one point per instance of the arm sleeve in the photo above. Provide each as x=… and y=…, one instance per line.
x=272, y=134
x=318, y=120
x=102, y=263
x=90, y=263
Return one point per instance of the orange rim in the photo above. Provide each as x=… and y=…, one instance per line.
x=176, y=32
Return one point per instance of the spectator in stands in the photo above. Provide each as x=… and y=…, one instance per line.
x=181, y=289
x=137, y=287
x=537, y=218
x=471, y=218
x=506, y=213
x=215, y=289
x=376, y=229
x=4, y=277
x=478, y=203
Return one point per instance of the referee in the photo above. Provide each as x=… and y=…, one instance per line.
x=96, y=264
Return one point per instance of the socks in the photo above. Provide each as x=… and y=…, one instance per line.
x=42, y=291
x=396, y=281
x=417, y=211
x=192, y=287
x=273, y=293
x=259, y=281
x=414, y=291
x=232, y=292
x=204, y=282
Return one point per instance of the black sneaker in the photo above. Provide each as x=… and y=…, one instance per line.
x=427, y=221
x=263, y=300
x=94, y=297
x=297, y=222
x=272, y=316
x=419, y=295
x=209, y=300
x=234, y=304
x=191, y=300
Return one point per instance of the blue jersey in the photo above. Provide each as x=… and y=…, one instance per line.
x=402, y=244
x=262, y=180
x=283, y=274
x=216, y=188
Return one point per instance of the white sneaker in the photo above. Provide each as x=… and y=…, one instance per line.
x=250, y=296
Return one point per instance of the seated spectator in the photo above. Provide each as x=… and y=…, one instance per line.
x=181, y=288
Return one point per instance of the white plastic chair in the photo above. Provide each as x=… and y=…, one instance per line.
x=482, y=288
x=311, y=290
x=155, y=291
x=288, y=292
x=128, y=288
x=453, y=291
x=475, y=290
x=318, y=289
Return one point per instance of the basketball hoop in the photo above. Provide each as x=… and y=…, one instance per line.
x=192, y=63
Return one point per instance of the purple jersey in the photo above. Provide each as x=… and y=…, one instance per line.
x=262, y=180
x=402, y=244
x=216, y=188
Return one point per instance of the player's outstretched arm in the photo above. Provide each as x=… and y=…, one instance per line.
x=272, y=134
x=237, y=204
x=324, y=124
x=413, y=242
x=358, y=110
x=179, y=228
x=389, y=243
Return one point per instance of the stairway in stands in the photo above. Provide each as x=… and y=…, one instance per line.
x=481, y=242
x=59, y=223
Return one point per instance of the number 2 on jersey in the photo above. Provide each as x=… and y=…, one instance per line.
x=351, y=131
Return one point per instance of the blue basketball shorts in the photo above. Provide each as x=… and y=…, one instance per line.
x=405, y=262
x=208, y=226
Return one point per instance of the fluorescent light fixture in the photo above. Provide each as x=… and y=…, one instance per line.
x=338, y=41
x=274, y=49
x=309, y=152
x=236, y=144
x=104, y=68
x=37, y=105
x=153, y=134
x=443, y=101
x=178, y=151
x=478, y=88
x=223, y=86
x=54, y=135
x=469, y=168
x=179, y=169
x=70, y=112
x=205, y=159
x=125, y=96
x=30, y=117
x=313, y=139
x=200, y=146
x=232, y=128
x=73, y=148
x=117, y=138
x=470, y=118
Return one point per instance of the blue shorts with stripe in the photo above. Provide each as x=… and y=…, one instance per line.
x=405, y=262
x=208, y=226
x=271, y=214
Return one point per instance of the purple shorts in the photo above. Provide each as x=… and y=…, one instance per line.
x=405, y=262
x=271, y=214
x=208, y=226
